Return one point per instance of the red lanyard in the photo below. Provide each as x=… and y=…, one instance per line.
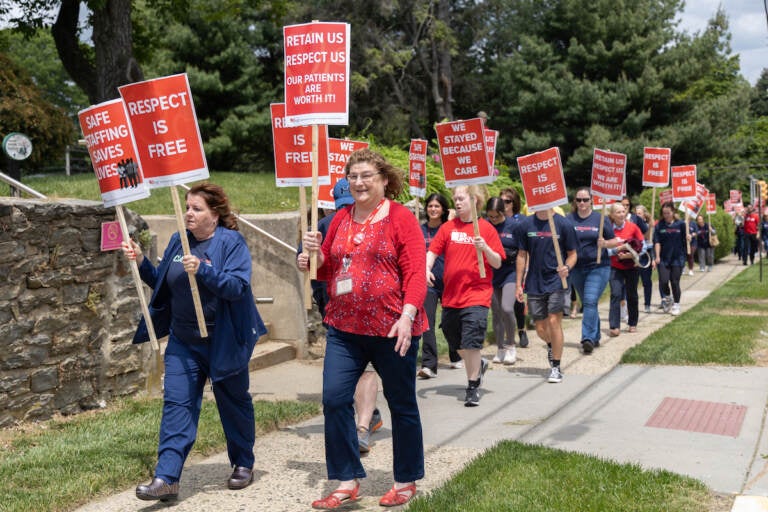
x=358, y=237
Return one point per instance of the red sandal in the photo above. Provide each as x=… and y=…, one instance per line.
x=332, y=501
x=395, y=497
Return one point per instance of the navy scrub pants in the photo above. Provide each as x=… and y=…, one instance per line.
x=186, y=371
x=346, y=356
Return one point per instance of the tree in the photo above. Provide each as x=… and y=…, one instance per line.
x=97, y=69
x=23, y=108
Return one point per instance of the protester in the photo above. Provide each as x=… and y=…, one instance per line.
x=706, y=252
x=692, y=247
x=466, y=296
x=751, y=226
x=373, y=260
x=764, y=232
x=221, y=264
x=588, y=277
x=669, y=244
x=368, y=416
x=543, y=283
x=437, y=214
x=503, y=300
x=513, y=206
x=624, y=271
x=646, y=271
x=634, y=217
x=738, y=222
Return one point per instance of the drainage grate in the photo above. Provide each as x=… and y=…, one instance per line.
x=698, y=416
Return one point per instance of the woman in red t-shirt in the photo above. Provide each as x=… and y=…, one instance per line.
x=624, y=273
x=373, y=259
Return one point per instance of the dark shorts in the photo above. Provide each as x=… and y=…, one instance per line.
x=541, y=306
x=464, y=328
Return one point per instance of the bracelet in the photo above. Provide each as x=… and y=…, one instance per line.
x=410, y=315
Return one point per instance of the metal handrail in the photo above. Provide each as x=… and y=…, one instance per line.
x=19, y=185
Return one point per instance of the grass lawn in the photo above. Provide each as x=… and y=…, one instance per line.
x=58, y=465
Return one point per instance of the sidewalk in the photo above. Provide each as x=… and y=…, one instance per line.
x=601, y=408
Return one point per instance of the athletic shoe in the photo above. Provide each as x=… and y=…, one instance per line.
x=587, y=346
x=675, y=309
x=376, y=422
x=666, y=304
x=483, y=368
x=511, y=356
x=648, y=309
x=458, y=365
x=690, y=272
x=472, y=398
x=555, y=376
x=426, y=373
x=523, y=338
x=363, y=439
x=500, y=355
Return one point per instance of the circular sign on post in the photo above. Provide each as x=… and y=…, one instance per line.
x=17, y=146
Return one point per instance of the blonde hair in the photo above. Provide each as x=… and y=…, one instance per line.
x=479, y=192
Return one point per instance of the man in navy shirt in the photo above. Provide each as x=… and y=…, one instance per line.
x=544, y=279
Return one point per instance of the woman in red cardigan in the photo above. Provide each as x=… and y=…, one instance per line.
x=624, y=273
x=374, y=261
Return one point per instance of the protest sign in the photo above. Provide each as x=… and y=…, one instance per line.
x=164, y=125
x=338, y=154
x=463, y=153
x=108, y=137
x=417, y=167
x=711, y=204
x=293, y=151
x=665, y=196
x=683, y=182
x=656, y=166
x=542, y=177
x=491, y=136
x=608, y=174
x=316, y=73
x=598, y=203
x=735, y=196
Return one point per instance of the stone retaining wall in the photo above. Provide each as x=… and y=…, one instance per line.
x=67, y=311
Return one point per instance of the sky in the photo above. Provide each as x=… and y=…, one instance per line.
x=747, y=25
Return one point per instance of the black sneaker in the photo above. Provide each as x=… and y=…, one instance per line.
x=587, y=346
x=472, y=398
x=523, y=338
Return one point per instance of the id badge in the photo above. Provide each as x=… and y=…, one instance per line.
x=343, y=284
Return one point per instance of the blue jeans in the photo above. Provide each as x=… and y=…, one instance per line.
x=590, y=282
x=346, y=356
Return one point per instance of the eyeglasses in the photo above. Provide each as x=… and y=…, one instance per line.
x=365, y=178
x=507, y=201
x=582, y=199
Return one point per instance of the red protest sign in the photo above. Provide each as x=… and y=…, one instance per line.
x=110, y=143
x=735, y=196
x=598, y=202
x=463, y=153
x=293, y=151
x=656, y=162
x=491, y=136
x=417, y=168
x=338, y=154
x=683, y=182
x=164, y=126
x=665, y=196
x=711, y=204
x=608, y=174
x=316, y=73
x=542, y=177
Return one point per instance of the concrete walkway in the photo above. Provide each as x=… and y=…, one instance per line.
x=706, y=422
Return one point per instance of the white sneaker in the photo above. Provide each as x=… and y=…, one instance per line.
x=511, y=355
x=675, y=309
x=500, y=355
x=555, y=376
x=426, y=373
x=458, y=365
x=690, y=272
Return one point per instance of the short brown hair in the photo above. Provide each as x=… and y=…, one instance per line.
x=393, y=175
x=217, y=200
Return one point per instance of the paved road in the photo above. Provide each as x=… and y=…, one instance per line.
x=600, y=408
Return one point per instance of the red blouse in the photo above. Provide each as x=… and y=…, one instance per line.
x=387, y=268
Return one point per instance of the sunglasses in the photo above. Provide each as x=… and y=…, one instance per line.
x=507, y=201
x=582, y=199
